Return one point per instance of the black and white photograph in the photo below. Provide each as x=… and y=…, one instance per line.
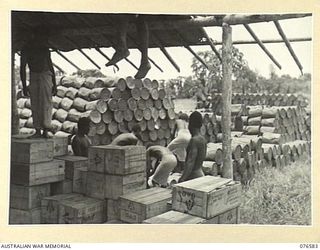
x=155, y=118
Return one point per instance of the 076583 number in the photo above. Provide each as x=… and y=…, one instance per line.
x=309, y=246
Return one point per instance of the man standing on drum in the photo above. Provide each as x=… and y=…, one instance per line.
x=42, y=81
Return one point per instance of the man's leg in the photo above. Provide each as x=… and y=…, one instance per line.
x=143, y=34
x=122, y=48
x=35, y=104
x=46, y=103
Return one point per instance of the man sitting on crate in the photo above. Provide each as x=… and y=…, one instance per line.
x=42, y=81
x=196, y=150
x=160, y=169
x=125, y=139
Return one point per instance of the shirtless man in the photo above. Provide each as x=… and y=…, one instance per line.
x=196, y=150
x=179, y=145
x=125, y=139
x=42, y=81
x=122, y=48
x=80, y=142
x=165, y=163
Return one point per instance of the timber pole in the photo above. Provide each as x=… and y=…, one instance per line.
x=227, y=171
x=14, y=114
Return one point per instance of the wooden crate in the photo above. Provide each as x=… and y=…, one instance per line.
x=73, y=162
x=60, y=146
x=19, y=216
x=103, y=186
x=26, y=198
x=141, y=205
x=61, y=187
x=50, y=207
x=83, y=181
x=117, y=160
x=113, y=209
x=82, y=210
x=37, y=173
x=28, y=151
x=206, y=196
x=175, y=217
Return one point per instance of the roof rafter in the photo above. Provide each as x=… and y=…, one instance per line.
x=287, y=43
x=255, y=37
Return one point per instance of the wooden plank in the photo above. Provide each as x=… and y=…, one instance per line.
x=61, y=187
x=26, y=198
x=19, y=216
x=37, y=173
x=103, y=186
x=28, y=151
x=113, y=209
x=120, y=160
x=60, y=146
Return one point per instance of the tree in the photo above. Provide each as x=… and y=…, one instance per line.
x=242, y=74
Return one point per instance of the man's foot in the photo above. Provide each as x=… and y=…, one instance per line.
x=46, y=134
x=118, y=56
x=36, y=135
x=143, y=70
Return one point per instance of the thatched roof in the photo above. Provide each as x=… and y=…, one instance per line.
x=66, y=30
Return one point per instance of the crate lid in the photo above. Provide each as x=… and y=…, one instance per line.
x=205, y=184
x=174, y=217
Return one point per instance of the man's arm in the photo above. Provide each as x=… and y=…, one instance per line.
x=192, y=153
x=23, y=64
x=76, y=148
x=54, y=88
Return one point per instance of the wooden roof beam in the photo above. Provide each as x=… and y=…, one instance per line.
x=254, y=36
x=240, y=42
x=65, y=58
x=190, y=49
x=287, y=43
x=165, y=52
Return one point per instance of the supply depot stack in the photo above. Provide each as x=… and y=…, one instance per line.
x=205, y=200
x=115, y=171
x=34, y=174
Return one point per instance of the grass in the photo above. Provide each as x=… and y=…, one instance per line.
x=279, y=196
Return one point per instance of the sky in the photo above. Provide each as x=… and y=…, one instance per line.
x=253, y=54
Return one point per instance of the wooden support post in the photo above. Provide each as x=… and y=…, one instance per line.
x=227, y=171
x=14, y=108
x=287, y=43
x=65, y=58
x=254, y=36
